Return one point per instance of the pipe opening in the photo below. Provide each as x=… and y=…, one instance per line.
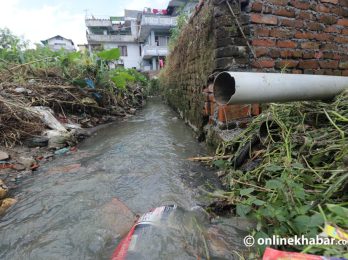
x=224, y=88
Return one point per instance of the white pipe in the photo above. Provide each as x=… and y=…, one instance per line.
x=250, y=87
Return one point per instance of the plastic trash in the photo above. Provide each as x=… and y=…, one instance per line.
x=62, y=151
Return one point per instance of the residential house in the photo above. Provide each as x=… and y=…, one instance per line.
x=142, y=36
x=58, y=42
x=116, y=32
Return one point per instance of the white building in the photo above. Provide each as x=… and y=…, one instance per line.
x=141, y=36
x=116, y=32
x=58, y=42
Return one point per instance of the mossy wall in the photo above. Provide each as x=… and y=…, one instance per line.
x=189, y=65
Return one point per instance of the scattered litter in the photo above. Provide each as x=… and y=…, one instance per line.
x=46, y=114
x=62, y=151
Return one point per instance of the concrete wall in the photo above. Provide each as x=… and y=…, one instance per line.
x=292, y=36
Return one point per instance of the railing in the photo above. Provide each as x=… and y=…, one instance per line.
x=110, y=38
x=98, y=22
x=157, y=20
x=149, y=51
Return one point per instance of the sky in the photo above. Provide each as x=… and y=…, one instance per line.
x=37, y=20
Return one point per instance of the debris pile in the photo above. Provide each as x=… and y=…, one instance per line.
x=289, y=172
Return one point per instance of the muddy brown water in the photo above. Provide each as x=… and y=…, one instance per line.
x=79, y=206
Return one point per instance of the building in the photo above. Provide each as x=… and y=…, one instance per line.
x=142, y=36
x=116, y=32
x=153, y=37
x=82, y=47
x=58, y=42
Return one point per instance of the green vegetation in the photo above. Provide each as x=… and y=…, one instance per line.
x=71, y=66
x=296, y=178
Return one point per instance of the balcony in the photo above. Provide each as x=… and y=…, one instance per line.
x=154, y=51
x=98, y=22
x=155, y=22
x=95, y=38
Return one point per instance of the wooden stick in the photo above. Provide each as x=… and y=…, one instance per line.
x=208, y=158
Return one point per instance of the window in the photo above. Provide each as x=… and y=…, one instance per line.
x=123, y=50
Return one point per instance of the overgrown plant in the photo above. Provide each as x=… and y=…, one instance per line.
x=302, y=166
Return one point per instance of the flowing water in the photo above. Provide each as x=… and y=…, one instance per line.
x=75, y=207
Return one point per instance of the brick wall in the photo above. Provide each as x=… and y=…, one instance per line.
x=292, y=36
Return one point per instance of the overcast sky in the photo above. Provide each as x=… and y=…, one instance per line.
x=38, y=20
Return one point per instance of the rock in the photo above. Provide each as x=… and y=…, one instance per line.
x=37, y=142
x=65, y=169
x=27, y=162
x=32, y=81
x=4, y=156
x=6, y=204
x=58, y=139
x=3, y=189
x=22, y=90
x=19, y=167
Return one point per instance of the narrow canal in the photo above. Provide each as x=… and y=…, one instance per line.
x=76, y=206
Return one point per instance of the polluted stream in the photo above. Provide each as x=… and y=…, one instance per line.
x=81, y=205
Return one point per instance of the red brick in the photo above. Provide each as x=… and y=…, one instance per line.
x=206, y=109
x=304, y=35
x=341, y=39
x=263, y=63
x=328, y=19
x=340, y=11
x=265, y=43
x=330, y=1
x=260, y=31
x=314, y=26
x=305, y=15
x=256, y=7
x=343, y=22
x=309, y=64
x=345, y=31
x=286, y=64
x=261, y=51
x=286, y=44
x=274, y=53
x=310, y=45
x=323, y=37
x=345, y=73
x=279, y=2
x=328, y=64
x=309, y=55
x=279, y=33
x=255, y=109
x=284, y=12
x=232, y=112
x=297, y=72
x=300, y=4
x=343, y=65
x=291, y=54
x=264, y=19
x=329, y=47
x=292, y=23
x=322, y=9
x=331, y=56
x=332, y=29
